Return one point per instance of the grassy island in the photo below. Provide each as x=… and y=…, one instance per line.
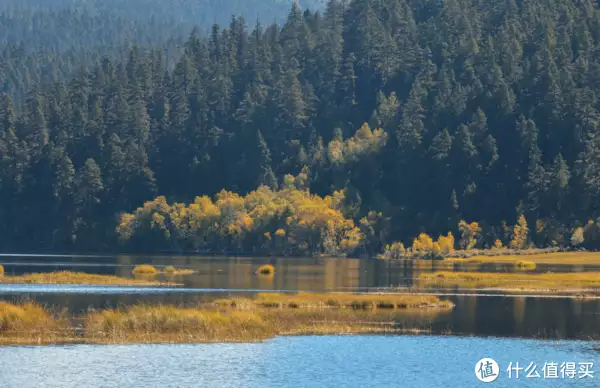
x=68, y=277
x=516, y=282
x=225, y=320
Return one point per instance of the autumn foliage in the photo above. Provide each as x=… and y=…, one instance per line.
x=394, y=251
x=363, y=142
x=290, y=221
x=425, y=247
x=468, y=233
x=520, y=232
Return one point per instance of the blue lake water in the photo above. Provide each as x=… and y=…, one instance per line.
x=485, y=325
x=290, y=362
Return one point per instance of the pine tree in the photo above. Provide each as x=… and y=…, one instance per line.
x=266, y=176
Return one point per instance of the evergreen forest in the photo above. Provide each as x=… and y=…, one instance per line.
x=297, y=128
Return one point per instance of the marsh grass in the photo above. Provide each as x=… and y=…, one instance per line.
x=343, y=321
x=500, y=252
x=242, y=319
x=30, y=323
x=348, y=301
x=145, y=270
x=224, y=320
x=546, y=282
x=68, y=277
x=538, y=256
x=266, y=270
x=172, y=271
x=525, y=265
x=173, y=324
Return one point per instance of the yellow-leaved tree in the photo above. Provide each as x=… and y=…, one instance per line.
x=394, y=251
x=365, y=141
x=468, y=234
x=291, y=220
x=446, y=244
x=520, y=232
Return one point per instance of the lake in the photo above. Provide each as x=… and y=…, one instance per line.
x=292, y=273
x=307, y=362
x=476, y=313
x=530, y=328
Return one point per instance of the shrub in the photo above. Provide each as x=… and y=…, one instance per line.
x=266, y=270
x=446, y=244
x=520, y=231
x=468, y=234
x=394, y=251
x=422, y=245
x=525, y=266
x=1, y=270
x=170, y=269
x=145, y=269
x=577, y=238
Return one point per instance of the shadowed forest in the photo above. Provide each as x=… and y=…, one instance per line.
x=367, y=121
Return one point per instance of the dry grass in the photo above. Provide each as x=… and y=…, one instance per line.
x=547, y=282
x=343, y=321
x=172, y=271
x=156, y=324
x=31, y=324
x=496, y=252
x=266, y=270
x=1, y=270
x=525, y=265
x=349, y=301
x=68, y=277
x=225, y=320
x=534, y=255
x=145, y=270
x=245, y=319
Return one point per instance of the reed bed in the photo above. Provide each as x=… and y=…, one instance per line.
x=157, y=324
x=349, y=301
x=538, y=256
x=29, y=323
x=224, y=320
x=546, y=282
x=172, y=271
x=500, y=252
x=68, y=277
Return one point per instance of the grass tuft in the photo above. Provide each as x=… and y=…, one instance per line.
x=145, y=269
x=172, y=271
x=525, y=265
x=1, y=270
x=29, y=323
x=266, y=270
